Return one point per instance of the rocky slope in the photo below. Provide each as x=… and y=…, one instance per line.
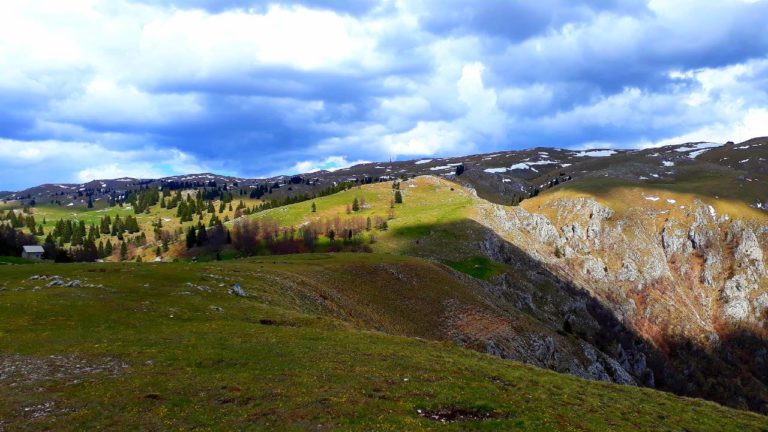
x=688, y=279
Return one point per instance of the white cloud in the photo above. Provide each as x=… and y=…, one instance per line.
x=59, y=161
x=331, y=163
x=105, y=102
x=754, y=123
x=207, y=44
x=427, y=138
x=88, y=77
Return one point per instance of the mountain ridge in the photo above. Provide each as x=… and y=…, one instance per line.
x=497, y=176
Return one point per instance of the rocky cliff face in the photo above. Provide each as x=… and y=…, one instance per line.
x=677, y=275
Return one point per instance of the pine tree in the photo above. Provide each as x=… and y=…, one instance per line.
x=314, y=208
x=355, y=205
x=191, y=238
x=123, y=251
x=202, y=237
x=368, y=224
x=398, y=197
x=158, y=252
x=108, y=249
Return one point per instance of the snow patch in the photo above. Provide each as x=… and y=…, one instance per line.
x=697, y=149
x=423, y=161
x=668, y=163
x=444, y=167
x=596, y=153
x=652, y=198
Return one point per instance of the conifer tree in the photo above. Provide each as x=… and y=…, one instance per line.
x=123, y=251
x=202, y=237
x=355, y=205
x=314, y=208
x=191, y=238
x=398, y=197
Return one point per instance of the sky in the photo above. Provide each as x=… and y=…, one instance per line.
x=93, y=89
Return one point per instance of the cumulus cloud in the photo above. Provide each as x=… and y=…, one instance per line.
x=261, y=87
x=41, y=161
x=331, y=163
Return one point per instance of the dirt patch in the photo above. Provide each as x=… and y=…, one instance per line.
x=458, y=414
x=19, y=369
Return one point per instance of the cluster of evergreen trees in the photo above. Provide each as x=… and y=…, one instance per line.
x=24, y=220
x=142, y=200
x=12, y=240
x=76, y=232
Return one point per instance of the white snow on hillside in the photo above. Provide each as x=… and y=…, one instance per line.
x=595, y=153
x=423, y=161
x=523, y=166
x=697, y=149
x=445, y=167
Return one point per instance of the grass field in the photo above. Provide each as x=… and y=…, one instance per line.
x=722, y=190
x=165, y=347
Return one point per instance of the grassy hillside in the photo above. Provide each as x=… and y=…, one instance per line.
x=427, y=201
x=164, y=346
x=727, y=194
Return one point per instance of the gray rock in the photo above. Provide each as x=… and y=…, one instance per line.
x=628, y=271
x=237, y=290
x=55, y=281
x=594, y=268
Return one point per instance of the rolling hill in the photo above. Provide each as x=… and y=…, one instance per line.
x=167, y=346
x=638, y=267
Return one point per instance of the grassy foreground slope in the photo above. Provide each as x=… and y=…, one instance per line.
x=165, y=346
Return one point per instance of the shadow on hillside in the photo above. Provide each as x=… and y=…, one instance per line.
x=734, y=374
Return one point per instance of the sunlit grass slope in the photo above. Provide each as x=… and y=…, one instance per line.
x=299, y=353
